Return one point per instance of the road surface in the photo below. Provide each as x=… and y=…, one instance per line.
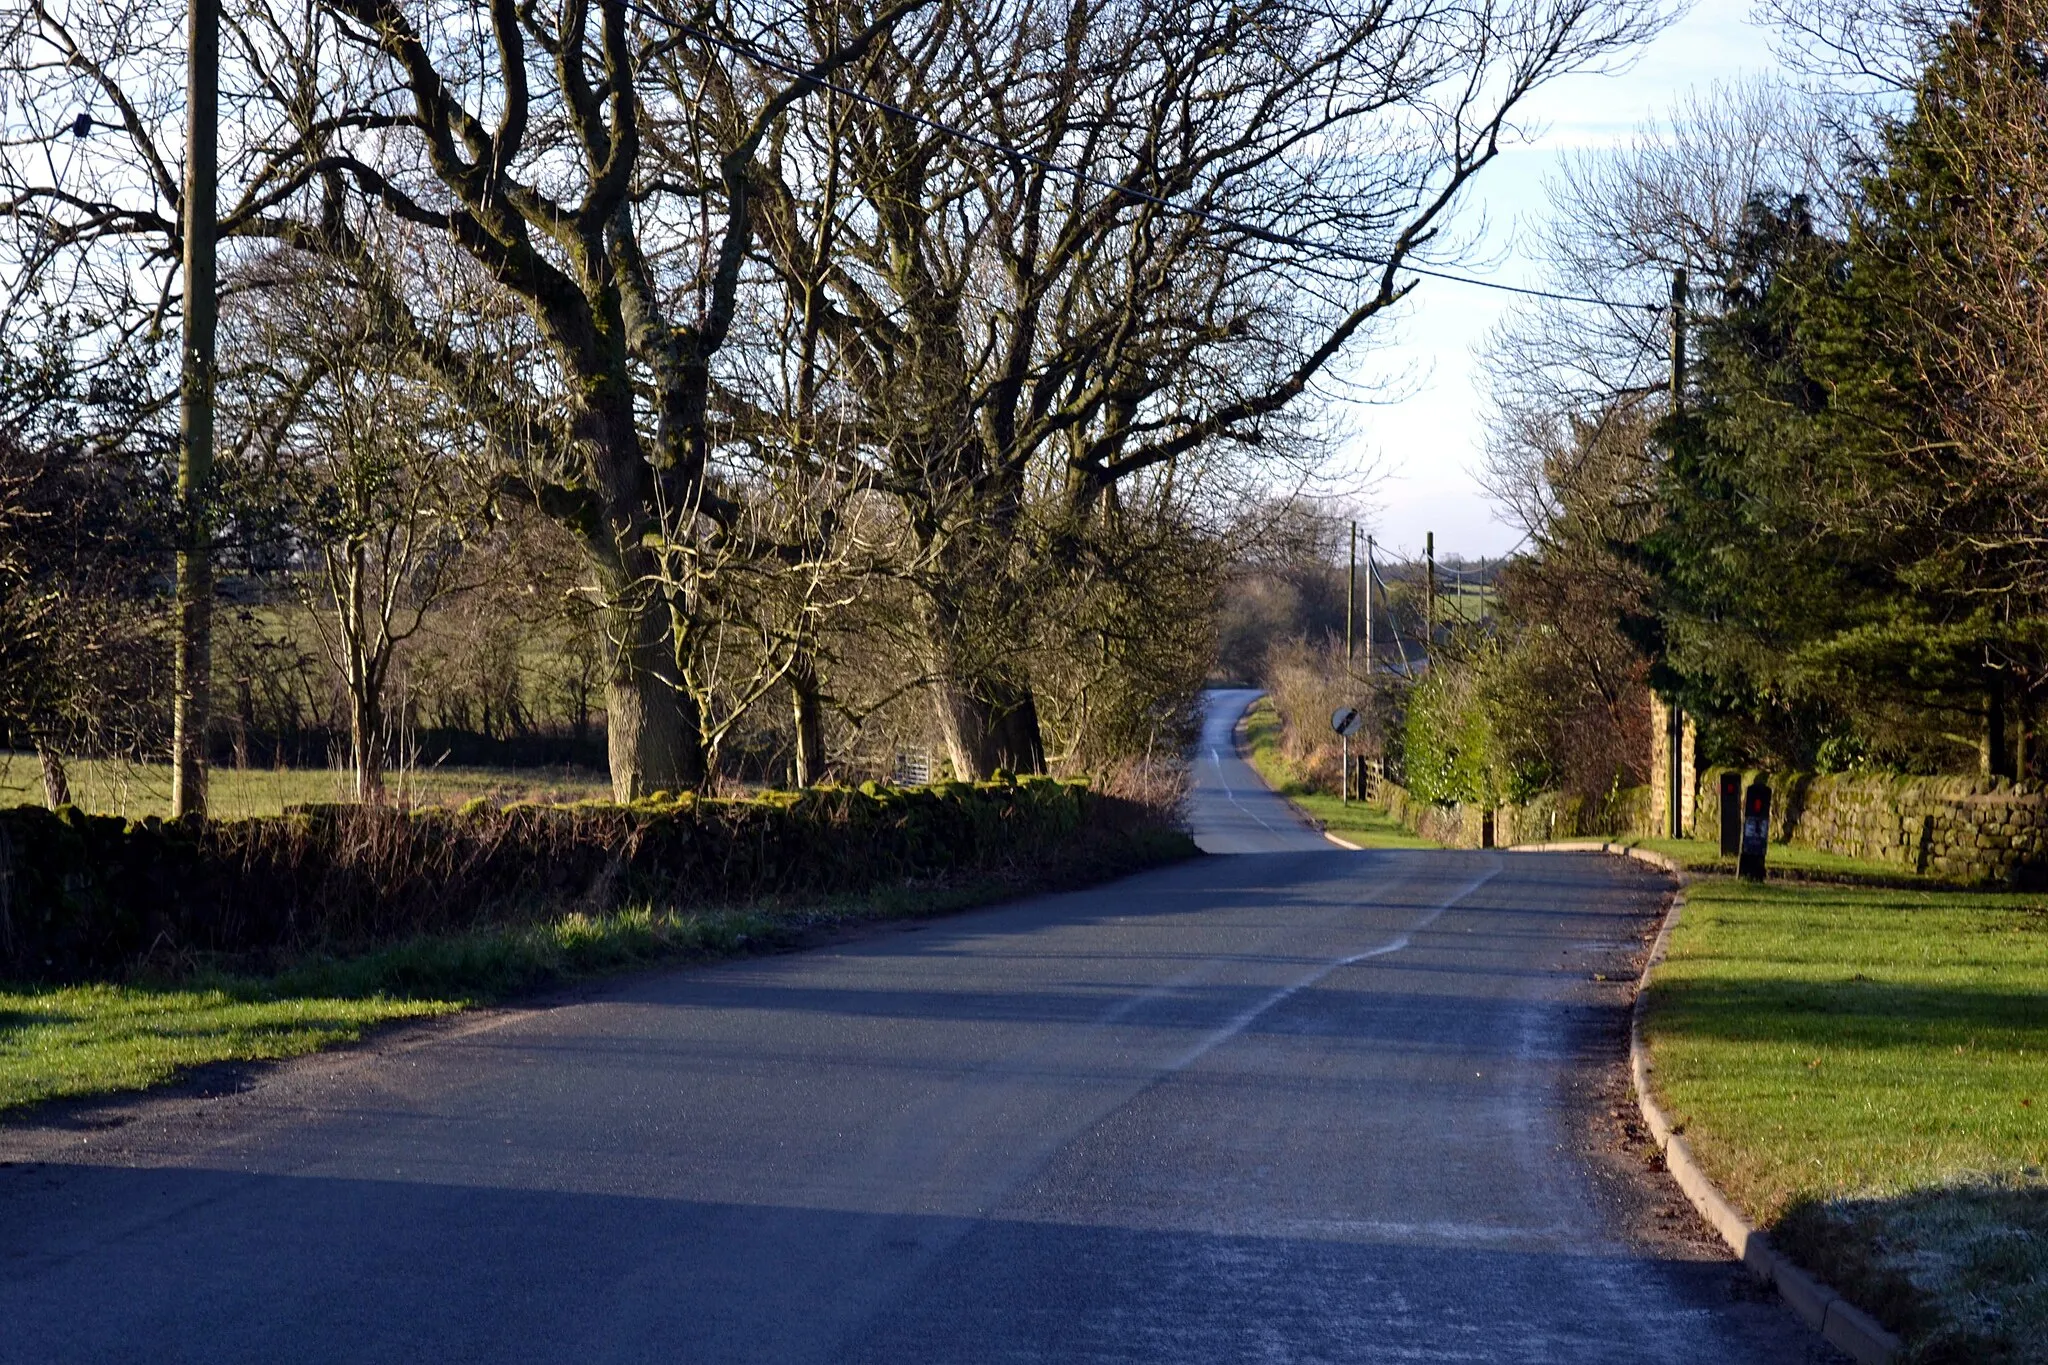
x=1289, y=1104
x=1231, y=809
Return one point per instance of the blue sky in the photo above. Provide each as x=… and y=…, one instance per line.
x=1426, y=447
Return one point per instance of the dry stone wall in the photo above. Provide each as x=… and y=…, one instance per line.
x=1969, y=829
x=1550, y=816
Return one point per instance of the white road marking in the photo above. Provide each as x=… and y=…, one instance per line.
x=1238, y=1024
x=1216, y=760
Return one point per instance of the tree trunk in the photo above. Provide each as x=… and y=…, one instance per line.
x=192, y=685
x=1020, y=744
x=2022, y=742
x=366, y=750
x=56, y=782
x=651, y=730
x=808, y=708
x=1996, y=754
x=988, y=722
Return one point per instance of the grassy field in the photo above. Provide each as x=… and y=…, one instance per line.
x=1367, y=826
x=68, y=1041
x=1865, y=1071
x=139, y=789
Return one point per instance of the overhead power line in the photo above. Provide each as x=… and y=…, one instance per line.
x=790, y=67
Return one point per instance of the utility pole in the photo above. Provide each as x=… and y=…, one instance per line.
x=1678, y=301
x=1429, y=594
x=1350, y=600
x=1674, y=717
x=1368, y=606
x=193, y=682
x=1350, y=616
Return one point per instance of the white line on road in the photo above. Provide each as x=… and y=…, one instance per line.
x=1216, y=759
x=1238, y=1024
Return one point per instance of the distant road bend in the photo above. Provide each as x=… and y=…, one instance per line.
x=1294, y=1104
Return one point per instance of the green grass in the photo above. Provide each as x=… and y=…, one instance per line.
x=67, y=1041
x=1362, y=824
x=1789, y=860
x=1865, y=1071
x=1365, y=825
x=81, y=1040
x=136, y=790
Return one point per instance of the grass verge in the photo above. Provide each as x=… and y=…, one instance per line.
x=1362, y=824
x=1788, y=861
x=1865, y=1071
x=71, y=1041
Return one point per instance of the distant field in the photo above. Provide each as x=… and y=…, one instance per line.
x=136, y=790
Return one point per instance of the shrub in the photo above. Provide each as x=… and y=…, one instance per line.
x=86, y=894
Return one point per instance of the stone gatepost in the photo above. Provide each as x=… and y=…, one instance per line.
x=1662, y=769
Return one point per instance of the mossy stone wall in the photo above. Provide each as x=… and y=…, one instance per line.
x=1551, y=815
x=1966, y=829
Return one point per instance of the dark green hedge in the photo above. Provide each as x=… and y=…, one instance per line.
x=85, y=895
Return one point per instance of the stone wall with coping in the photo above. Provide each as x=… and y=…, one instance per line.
x=1628, y=812
x=1968, y=829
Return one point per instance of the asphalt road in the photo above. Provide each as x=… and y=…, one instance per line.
x=1297, y=1104
x=1232, y=810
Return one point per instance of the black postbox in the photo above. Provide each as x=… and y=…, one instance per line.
x=1756, y=831
x=1731, y=814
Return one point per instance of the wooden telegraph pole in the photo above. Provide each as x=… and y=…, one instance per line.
x=1429, y=593
x=1368, y=606
x=193, y=682
x=1674, y=717
x=1351, y=600
x=1350, y=617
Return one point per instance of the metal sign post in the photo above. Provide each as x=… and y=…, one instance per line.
x=1346, y=721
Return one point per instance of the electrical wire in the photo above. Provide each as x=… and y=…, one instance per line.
x=789, y=67
x=1393, y=628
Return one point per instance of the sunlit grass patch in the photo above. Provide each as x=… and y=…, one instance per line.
x=1869, y=1067
x=79, y=1040
x=1791, y=860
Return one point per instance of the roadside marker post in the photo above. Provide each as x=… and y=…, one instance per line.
x=1731, y=814
x=1756, y=831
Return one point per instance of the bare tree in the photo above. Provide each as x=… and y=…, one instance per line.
x=83, y=539
x=1061, y=253
x=371, y=460
x=522, y=136
x=1971, y=248
x=1621, y=221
